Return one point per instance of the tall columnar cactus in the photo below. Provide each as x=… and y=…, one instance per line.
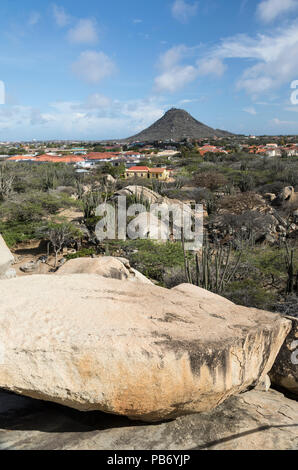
x=214, y=268
x=292, y=281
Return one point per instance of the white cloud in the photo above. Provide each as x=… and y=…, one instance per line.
x=269, y=10
x=176, y=74
x=137, y=21
x=140, y=113
x=89, y=119
x=97, y=101
x=176, y=78
x=211, y=66
x=172, y=56
x=183, y=11
x=250, y=110
x=93, y=66
x=278, y=122
x=61, y=17
x=37, y=118
x=275, y=57
x=34, y=18
x=84, y=32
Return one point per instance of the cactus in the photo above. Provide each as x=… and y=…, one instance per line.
x=90, y=202
x=213, y=268
x=292, y=285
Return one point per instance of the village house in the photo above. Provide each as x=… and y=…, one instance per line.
x=273, y=152
x=292, y=151
x=146, y=172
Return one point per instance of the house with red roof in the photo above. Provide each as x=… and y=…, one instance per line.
x=102, y=156
x=146, y=172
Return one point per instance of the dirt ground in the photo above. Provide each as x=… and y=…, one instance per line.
x=31, y=251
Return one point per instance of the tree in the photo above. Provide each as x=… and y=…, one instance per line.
x=210, y=179
x=6, y=182
x=246, y=183
x=59, y=235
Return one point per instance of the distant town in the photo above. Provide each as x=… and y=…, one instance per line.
x=143, y=159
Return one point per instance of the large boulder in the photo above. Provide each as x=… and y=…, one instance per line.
x=6, y=260
x=141, y=193
x=288, y=198
x=93, y=343
x=106, y=266
x=158, y=228
x=285, y=370
x=30, y=267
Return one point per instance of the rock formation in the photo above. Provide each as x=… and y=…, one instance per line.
x=151, y=354
x=106, y=266
x=285, y=370
x=253, y=420
x=288, y=198
x=153, y=227
x=6, y=260
x=140, y=192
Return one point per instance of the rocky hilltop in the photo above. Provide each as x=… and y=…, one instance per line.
x=89, y=339
x=177, y=125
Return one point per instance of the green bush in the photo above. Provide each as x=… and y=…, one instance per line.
x=14, y=233
x=84, y=253
x=249, y=293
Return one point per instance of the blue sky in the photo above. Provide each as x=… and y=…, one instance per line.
x=106, y=69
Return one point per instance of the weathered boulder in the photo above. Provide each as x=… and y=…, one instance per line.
x=253, y=420
x=109, y=179
x=288, y=198
x=141, y=193
x=6, y=258
x=285, y=370
x=270, y=197
x=151, y=354
x=106, y=266
x=30, y=267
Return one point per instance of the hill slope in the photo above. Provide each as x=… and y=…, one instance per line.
x=177, y=125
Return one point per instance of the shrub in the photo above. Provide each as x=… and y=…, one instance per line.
x=210, y=179
x=84, y=253
x=250, y=294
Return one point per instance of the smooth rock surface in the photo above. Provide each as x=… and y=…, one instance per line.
x=285, y=369
x=106, y=266
x=141, y=193
x=6, y=258
x=251, y=421
x=149, y=353
x=10, y=274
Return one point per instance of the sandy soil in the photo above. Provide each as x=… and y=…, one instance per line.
x=31, y=251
